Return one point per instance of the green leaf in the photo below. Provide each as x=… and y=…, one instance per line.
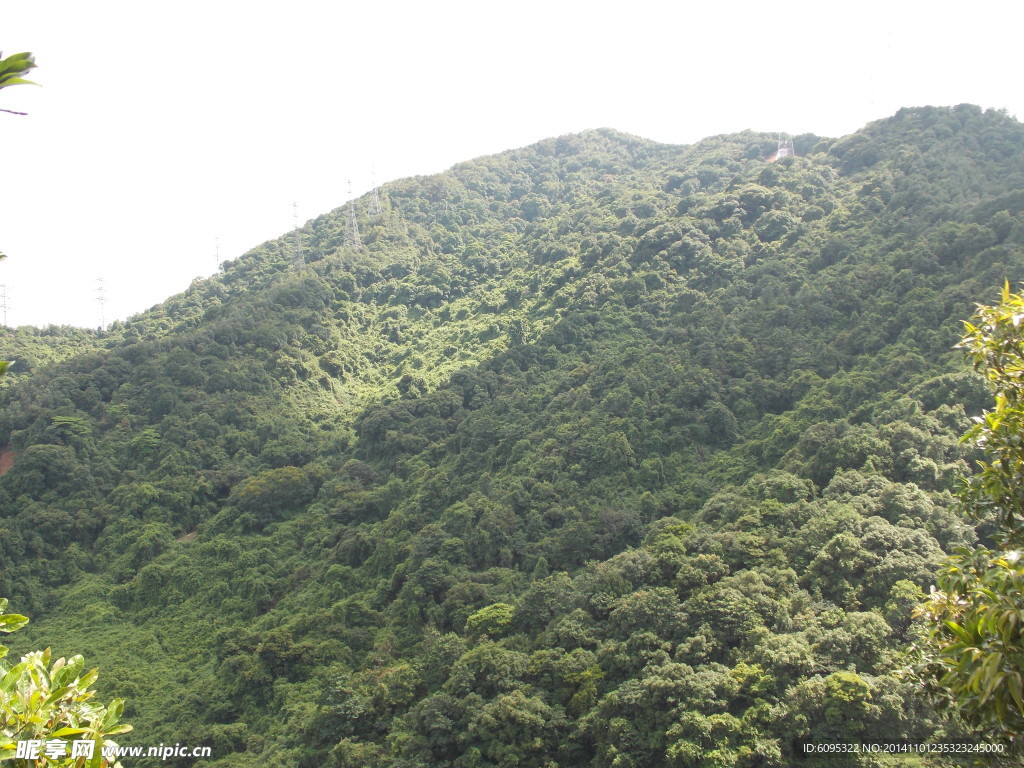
x=89, y=678
x=113, y=713
x=11, y=622
x=17, y=81
x=1014, y=686
x=68, y=671
x=959, y=631
x=13, y=67
x=12, y=676
x=56, y=695
x=68, y=732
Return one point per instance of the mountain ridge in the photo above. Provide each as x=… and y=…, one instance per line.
x=580, y=456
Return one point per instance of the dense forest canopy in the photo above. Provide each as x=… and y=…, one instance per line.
x=599, y=452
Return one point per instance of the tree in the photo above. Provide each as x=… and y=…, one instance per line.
x=973, y=655
x=11, y=70
x=492, y=621
x=46, y=705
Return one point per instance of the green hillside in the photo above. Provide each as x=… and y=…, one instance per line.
x=599, y=452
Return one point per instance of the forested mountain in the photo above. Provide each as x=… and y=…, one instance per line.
x=600, y=452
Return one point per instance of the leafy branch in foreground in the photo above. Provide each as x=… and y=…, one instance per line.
x=973, y=655
x=48, y=702
x=11, y=70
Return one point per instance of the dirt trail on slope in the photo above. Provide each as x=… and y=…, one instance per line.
x=7, y=457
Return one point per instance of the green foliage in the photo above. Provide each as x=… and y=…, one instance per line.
x=493, y=620
x=995, y=345
x=11, y=70
x=46, y=702
x=597, y=453
x=30, y=349
x=973, y=651
x=273, y=492
x=13, y=67
x=9, y=622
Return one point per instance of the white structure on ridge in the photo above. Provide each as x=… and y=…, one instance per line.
x=785, y=147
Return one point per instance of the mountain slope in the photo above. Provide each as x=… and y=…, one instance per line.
x=598, y=452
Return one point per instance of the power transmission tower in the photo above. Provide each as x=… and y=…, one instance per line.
x=101, y=297
x=351, y=226
x=298, y=258
x=3, y=302
x=375, y=210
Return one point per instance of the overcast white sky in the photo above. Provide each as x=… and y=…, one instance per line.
x=161, y=127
